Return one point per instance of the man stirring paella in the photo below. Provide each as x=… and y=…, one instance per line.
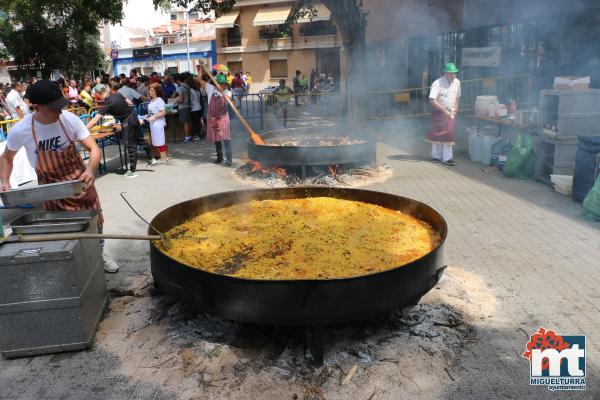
x=49, y=136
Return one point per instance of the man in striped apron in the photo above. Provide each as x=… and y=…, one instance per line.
x=49, y=136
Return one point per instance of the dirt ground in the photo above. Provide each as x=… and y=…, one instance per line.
x=405, y=354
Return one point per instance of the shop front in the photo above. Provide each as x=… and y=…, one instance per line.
x=166, y=59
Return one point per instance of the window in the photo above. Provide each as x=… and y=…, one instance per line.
x=235, y=66
x=193, y=15
x=172, y=70
x=279, y=68
x=234, y=37
x=169, y=39
x=173, y=16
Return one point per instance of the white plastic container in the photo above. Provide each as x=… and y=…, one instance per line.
x=475, y=146
x=501, y=110
x=493, y=107
x=487, y=142
x=563, y=184
x=482, y=104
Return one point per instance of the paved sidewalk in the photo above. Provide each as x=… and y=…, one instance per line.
x=537, y=261
x=534, y=251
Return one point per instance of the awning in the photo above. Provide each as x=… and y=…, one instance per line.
x=272, y=15
x=323, y=14
x=227, y=20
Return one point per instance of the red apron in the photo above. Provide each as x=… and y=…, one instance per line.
x=218, y=120
x=60, y=166
x=441, y=128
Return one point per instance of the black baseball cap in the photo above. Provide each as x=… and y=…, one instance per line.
x=45, y=92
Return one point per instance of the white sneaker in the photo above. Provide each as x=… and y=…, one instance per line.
x=152, y=162
x=130, y=174
x=110, y=265
x=160, y=162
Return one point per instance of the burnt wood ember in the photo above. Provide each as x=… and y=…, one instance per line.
x=337, y=176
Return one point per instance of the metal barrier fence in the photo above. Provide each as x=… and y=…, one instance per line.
x=6, y=125
x=249, y=105
x=317, y=104
x=389, y=104
x=415, y=102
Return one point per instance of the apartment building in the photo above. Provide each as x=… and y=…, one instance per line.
x=252, y=38
x=159, y=43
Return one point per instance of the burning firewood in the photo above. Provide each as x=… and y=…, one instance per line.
x=361, y=172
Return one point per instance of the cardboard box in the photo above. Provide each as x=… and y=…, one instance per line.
x=572, y=82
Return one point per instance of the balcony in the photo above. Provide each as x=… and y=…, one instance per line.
x=139, y=42
x=315, y=42
x=276, y=43
x=296, y=43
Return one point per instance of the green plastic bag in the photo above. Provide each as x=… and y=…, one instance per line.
x=591, y=203
x=521, y=159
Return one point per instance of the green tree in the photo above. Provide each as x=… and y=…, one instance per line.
x=56, y=34
x=348, y=15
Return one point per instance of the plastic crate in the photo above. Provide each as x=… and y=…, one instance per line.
x=575, y=113
x=554, y=157
x=578, y=125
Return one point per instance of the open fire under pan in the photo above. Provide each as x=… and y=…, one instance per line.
x=304, y=147
x=297, y=302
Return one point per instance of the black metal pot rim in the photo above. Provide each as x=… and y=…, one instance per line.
x=443, y=236
x=308, y=146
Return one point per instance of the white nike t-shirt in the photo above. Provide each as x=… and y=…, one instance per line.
x=51, y=137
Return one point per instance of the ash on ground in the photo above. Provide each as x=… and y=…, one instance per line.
x=278, y=177
x=409, y=352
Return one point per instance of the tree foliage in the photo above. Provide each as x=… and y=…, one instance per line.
x=56, y=34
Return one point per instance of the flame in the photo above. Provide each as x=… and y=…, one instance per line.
x=280, y=171
x=255, y=167
x=333, y=170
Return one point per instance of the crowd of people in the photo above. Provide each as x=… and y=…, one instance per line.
x=125, y=97
x=136, y=101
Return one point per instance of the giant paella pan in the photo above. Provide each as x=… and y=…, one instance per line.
x=305, y=256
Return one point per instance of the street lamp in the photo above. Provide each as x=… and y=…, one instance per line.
x=187, y=38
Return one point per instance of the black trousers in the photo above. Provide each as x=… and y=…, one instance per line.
x=197, y=124
x=228, y=153
x=131, y=137
x=132, y=156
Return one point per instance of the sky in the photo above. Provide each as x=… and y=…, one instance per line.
x=138, y=14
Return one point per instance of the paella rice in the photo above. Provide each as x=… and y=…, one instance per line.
x=306, y=238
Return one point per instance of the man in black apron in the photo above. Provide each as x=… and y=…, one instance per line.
x=118, y=106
